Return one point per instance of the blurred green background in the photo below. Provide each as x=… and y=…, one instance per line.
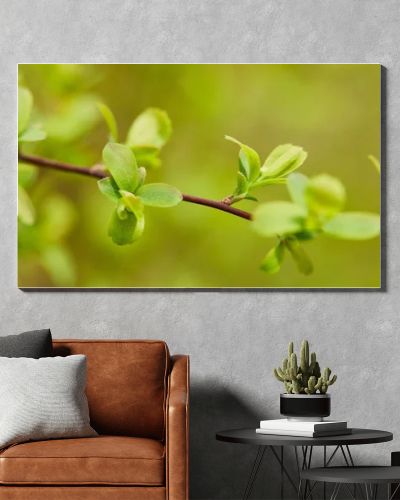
x=333, y=111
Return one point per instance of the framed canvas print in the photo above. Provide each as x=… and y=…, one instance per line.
x=199, y=176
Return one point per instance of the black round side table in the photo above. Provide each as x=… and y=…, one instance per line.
x=303, y=451
x=370, y=477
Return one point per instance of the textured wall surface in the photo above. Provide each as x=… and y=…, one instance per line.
x=234, y=338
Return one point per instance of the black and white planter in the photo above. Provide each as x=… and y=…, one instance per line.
x=305, y=406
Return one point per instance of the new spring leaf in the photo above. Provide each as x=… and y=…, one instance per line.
x=109, y=119
x=283, y=160
x=109, y=188
x=159, y=195
x=325, y=195
x=152, y=128
x=249, y=161
x=279, y=217
x=271, y=263
x=121, y=163
x=120, y=230
x=353, y=226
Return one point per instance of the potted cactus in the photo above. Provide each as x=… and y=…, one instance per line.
x=306, y=386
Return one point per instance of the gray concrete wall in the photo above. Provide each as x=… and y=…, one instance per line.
x=233, y=338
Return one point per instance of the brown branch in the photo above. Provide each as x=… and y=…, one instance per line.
x=219, y=205
x=99, y=172
x=95, y=171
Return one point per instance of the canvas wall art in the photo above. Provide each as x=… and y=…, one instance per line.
x=199, y=176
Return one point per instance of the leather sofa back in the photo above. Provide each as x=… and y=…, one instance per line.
x=126, y=386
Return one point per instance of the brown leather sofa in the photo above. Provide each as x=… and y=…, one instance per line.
x=138, y=400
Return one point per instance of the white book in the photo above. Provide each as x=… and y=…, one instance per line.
x=311, y=434
x=303, y=425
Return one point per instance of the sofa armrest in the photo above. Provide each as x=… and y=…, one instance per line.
x=177, y=431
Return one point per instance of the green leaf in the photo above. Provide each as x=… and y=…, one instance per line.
x=283, y=160
x=307, y=234
x=121, y=163
x=109, y=188
x=273, y=260
x=25, y=103
x=110, y=120
x=325, y=195
x=249, y=160
x=375, y=162
x=299, y=255
x=32, y=134
x=279, y=218
x=266, y=181
x=296, y=184
x=142, y=176
x=122, y=231
x=159, y=195
x=147, y=156
x=122, y=211
x=135, y=206
x=26, y=210
x=132, y=202
x=353, y=226
x=242, y=184
x=152, y=128
x=127, y=221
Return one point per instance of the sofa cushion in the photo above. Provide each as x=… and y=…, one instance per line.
x=102, y=460
x=126, y=386
x=33, y=344
x=43, y=399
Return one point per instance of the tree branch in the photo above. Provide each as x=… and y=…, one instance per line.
x=99, y=172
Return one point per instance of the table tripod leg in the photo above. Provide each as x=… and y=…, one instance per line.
x=284, y=470
x=324, y=486
x=368, y=491
x=335, y=491
x=390, y=494
x=254, y=471
x=282, y=492
x=297, y=461
x=349, y=462
x=299, y=490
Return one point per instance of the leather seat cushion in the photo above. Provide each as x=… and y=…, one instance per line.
x=102, y=460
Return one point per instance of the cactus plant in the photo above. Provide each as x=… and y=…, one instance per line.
x=304, y=377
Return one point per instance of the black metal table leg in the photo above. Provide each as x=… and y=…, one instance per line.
x=282, y=488
x=370, y=492
x=254, y=471
x=279, y=456
x=324, y=466
x=284, y=470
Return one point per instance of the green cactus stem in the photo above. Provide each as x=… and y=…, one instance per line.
x=306, y=377
x=304, y=356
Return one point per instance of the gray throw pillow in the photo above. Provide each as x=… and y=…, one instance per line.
x=33, y=344
x=43, y=399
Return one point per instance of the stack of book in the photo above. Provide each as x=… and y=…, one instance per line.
x=303, y=428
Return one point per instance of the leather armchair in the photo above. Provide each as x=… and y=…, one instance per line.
x=139, y=404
